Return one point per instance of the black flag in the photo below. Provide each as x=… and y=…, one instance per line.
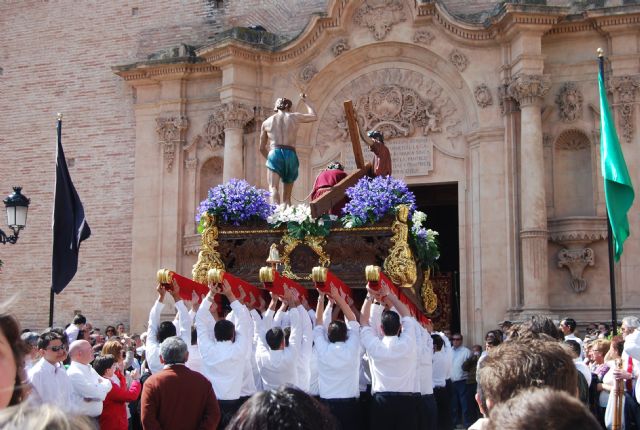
x=69, y=224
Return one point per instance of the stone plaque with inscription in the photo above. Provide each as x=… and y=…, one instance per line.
x=409, y=156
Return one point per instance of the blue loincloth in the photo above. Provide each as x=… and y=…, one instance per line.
x=285, y=163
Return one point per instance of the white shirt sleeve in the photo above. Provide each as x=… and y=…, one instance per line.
x=375, y=319
x=184, y=322
x=204, y=325
x=295, y=338
x=94, y=387
x=326, y=315
x=154, y=322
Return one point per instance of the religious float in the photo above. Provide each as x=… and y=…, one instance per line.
x=360, y=229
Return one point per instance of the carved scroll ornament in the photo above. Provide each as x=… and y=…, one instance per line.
x=423, y=36
x=569, y=101
x=400, y=265
x=171, y=134
x=576, y=260
x=483, y=96
x=340, y=47
x=459, y=60
x=625, y=88
x=379, y=16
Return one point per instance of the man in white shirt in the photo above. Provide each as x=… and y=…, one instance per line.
x=428, y=407
x=441, y=366
x=459, y=409
x=568, y=328
x=74, y=328
x=225, y=349
x=337, y=349
x=393, y=363
x=87, y=384
x=277, y=362
x=159, y=331
x=48, y=377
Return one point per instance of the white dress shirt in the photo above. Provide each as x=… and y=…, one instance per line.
x=460, y=355
x=338, y=363
x=425, y=361
x=224, y=362
x=51, y=385
x=90, y=387
x=305, y=350
x=72, y=333
x=442, y=363
x=248, y=383
x=152, y=346
x=278, y=367
x=194, y=362
x=392, y=359
x=582, y=368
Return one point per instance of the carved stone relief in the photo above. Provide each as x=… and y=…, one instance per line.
x=171, y=132
x=423, y=36
x=459, y=60
x=379, y=16
x=576, y=260
x=228, y=115
x=572, y=140
x=527, y=89
x=483, y=96
x=307, y=73
x=569, y=101
x=340, y=47
x=401, y=103
x=213, y=133
x=625, y=88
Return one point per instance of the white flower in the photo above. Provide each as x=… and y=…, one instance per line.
x=320, y=222
x=333, y=217
x=418, y=218
x=349, y=224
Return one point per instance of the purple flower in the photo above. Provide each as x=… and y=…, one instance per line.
x=236, y=202
x=372, y=199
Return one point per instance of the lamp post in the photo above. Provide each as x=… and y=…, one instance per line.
x=17, y=205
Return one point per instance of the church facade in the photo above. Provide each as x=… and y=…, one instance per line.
x=501, y=104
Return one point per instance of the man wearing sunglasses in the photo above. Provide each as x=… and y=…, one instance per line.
x=48, y=377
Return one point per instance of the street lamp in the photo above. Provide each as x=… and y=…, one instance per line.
x=17, y=205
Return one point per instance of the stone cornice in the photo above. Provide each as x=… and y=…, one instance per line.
x=577, y=229
x=268, y=48
x=154, y=71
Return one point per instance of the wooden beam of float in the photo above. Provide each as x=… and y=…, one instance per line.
x=324, y=203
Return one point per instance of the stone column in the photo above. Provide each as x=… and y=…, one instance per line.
x=236, y=116
x=529, y=90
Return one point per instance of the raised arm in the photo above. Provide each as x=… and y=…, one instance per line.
x=342, y=302
x=154, y=316
x=320, y=309
x=205, y=323
x=311, y=115
x=184, y=320
x=365, y=311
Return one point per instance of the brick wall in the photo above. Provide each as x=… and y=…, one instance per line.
x=56, y=56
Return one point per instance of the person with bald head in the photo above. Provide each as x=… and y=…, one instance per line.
x=89, y=388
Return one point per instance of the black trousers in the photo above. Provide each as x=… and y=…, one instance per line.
x=443, y=402
x=428, y=412
x=228, y=409
x=346, y=412
x=394, y=411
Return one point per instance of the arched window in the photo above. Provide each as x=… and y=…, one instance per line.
x=573, y=175
x=210, y=176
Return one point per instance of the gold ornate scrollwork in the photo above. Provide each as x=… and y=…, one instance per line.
x=400, y=265
x=316, y=243
x=429, y=298
x=208, y=257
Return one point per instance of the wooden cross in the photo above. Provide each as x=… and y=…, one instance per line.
x=324, y=203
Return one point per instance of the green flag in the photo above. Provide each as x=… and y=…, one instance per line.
x=618, y=190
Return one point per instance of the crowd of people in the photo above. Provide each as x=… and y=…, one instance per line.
x=219, y=364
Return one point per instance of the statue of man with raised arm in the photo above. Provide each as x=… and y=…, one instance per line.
x=279, y=131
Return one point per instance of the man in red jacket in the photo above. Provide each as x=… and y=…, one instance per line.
x=177, y=397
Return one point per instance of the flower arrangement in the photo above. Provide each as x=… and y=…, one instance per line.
x=235, y=202
x=373, y=198
x=299, y=221
x=423, y=241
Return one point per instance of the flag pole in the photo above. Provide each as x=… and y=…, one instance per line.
x=59, y=139
x=612, y=275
